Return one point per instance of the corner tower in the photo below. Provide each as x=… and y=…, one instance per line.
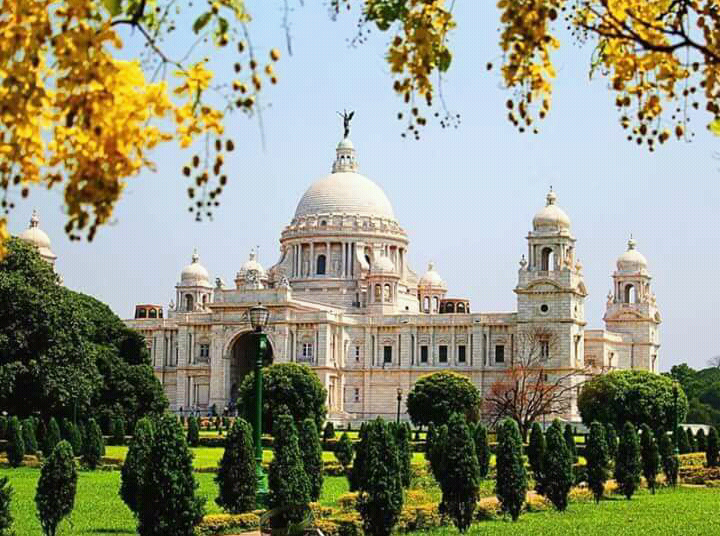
x=632, y=309
x=551, y=290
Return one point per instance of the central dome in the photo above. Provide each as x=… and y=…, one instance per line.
x=345, y=192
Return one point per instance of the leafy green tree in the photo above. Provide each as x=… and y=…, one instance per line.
x=401, y=431
x=29, y=438
x=536, y=450
x=681, y=440
x=670, y=462
x=289, y=484
x=436, y=452
x=193, y=432
x=135, y=463
x=118, y=430
x=357, y=473
x=381, y=495
x=167, y=496
x=16, y=444
x=569, y=435
x=635, y=396
x=460, y=481
x=557, y=467
x=598, y=460
x=511, y=484
x=311, y=452
x=712, y=452
x=237, y=477
x=701, y=441
x=435, y=397
x=628, y=464
x=328, y=433
x=650, y=456
x=93, y=446
x=612, y=442
x=56, y=487
x=52, y=437
x=6, y=519
x=344, y=451
x=482, y=449
x=76, y=439
x=286, y=387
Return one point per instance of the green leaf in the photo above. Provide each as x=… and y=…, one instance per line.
x=223, y=26
x=114, y=7
x=201, y=22
x=714, y=127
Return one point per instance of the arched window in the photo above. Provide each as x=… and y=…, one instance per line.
x=205, y=298
x=436, y=304
x=387, y=296
x=152, y=313
x=461, y=308
x=547, y=260
x=630, y=293
x=320, y=265
x=450, y=307
x=426, y=304
x=142, y=313
x=378, y=293
x=188, y=302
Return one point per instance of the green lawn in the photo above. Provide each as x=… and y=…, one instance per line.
x=685, y=511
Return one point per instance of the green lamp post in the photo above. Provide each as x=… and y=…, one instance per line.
x=258, y=320
x=399, y=400
x=676, y=452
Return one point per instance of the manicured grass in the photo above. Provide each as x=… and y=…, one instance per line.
x=685, y=511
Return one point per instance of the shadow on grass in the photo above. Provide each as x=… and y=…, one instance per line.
x=108, y=531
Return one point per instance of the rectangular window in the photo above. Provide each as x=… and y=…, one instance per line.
x=442, y=353
x=461, y=353
x=307, y=351
x=204, y=351
x=500, y=353
x=387, y=354
x=357, y=354
x=544, y=350
x=357, y=395
x=424, y=353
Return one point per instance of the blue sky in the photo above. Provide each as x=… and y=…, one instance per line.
x=465, y=196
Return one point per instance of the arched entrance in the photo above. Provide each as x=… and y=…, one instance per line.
x=242, y=361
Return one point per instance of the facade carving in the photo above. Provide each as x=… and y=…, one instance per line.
x=344, y=301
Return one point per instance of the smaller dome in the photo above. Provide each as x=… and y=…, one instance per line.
x=345, y=143
x=195, y=273
x=38, y=238
x=632, y=260
x=551, y=217
x=431, y=278
x=253, y=265
x=382, y=264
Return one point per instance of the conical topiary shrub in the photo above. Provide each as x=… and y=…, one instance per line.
x=237, y=477
x=536, y=453
x=311, y=452
x=460, y=480
x=628, y=463
x=56, y=487
x=16, y=444
x=193, y=432
x=670, y=463
x=712, y=451
x=93, y=445
x=650, y=457
x=344, y=451
x=135, y=463
x=557, y=467
x=598, y=460
x=569, y=435
x=482, y=449
x=29, y=438
x=511, y=484
x=51, y=438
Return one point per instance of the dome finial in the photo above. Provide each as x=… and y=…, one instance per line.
x=632, y=244
x=551, y=197
x=195, y=257
x=347, y=117
x=34, y=219
x=431, y=266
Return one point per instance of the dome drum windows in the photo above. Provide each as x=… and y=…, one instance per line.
x=321, y=265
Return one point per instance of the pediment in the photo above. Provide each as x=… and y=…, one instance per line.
x=544, y=285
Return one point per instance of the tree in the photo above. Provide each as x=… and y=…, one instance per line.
x=681, y=440
x=401, y=432
x=118, y=430
x=460, y=481
x=569, y=435
x=328, y=433
x=635, y=396
x=167, y=496
x=93, y=446
x=52, y=437
x=482, y=449
x=712, y=453
x=286, y=387
x=56, y=487
x=598, y=460
x=311, y=452
x=670, y=462
x=237, y=477
x=435, y=397
x=650, y=456
x=437, y=447
x=193, y=432
x=75, y=439
x=357, y=474
x=6, y=519
x=511, y=484
x=344, y=451
x=701, y=441
x=429, y=436
x=612, y=441
x=15, y=445
x=536, y=453
x=530, y=387
x=289, y=484
x=135, y=463
x=29, y=439
x=557, y=467
x=381, y=496
x=627, y=463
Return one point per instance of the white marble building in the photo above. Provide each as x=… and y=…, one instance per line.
x=344, y=300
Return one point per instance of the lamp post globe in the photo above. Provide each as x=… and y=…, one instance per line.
x=399, y=400
x=259, y=316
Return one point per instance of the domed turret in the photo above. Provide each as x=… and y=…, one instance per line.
x=382, y=265
x=38, y=238
x=431, y=279
x=632, y=260
x=551, y=217
x=194, y=273
x=431, y=289
x=251, y=275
